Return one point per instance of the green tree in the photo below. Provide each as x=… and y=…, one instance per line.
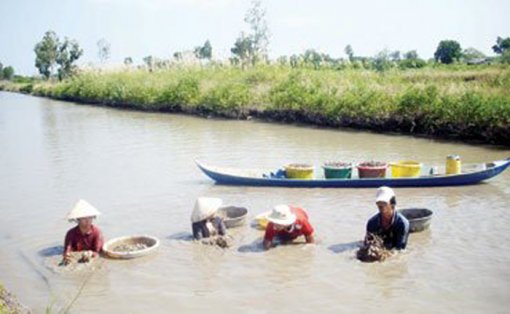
x=204, y=52
x=256, y=18
x=447, y=51
x=411, y=55
x=159, y=63
x=103, y=50
x=68, y=53
x=395, y=56
x=7, y=73
x=502, y=45
x=243, y=50
x=178, y=55
x=294, y=61
x=411, y=61
x=128, y=61
x=471, y=54
x=313, y=57
x=505, y=57
x=149, y=62
x=382, y=61
x=282, y=60
x=349, y=52
x=46, y=52
x=1, y=71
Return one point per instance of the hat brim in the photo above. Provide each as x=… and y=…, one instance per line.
x=83, y=209
x=76, y=219
x=285, y=222
x=383, y=199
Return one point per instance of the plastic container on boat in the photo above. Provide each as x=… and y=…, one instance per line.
x=299, y=171
x=405, y=169
x=372, y=169
x=337, y=170
x=453, y=164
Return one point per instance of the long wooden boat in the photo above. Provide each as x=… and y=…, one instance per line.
x=471, y=174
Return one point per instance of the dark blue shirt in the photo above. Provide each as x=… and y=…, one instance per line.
x=395, y=237
x=200, y=229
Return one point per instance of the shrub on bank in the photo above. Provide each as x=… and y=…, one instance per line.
x=185, y=93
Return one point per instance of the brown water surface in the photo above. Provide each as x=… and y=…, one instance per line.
x=138, y=170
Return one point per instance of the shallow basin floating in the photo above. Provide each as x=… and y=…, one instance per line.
x=131, y=246
x=419, y=218
x=233, y=216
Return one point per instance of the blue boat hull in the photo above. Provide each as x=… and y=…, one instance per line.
x=228, y=177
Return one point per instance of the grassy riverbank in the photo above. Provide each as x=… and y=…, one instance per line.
x=9, y=304
x=470, y=103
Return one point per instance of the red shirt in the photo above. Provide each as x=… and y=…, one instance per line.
x=77, y=241
x=300, y=227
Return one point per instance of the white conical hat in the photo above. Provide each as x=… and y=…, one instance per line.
x=204, y=208
x=82, y=209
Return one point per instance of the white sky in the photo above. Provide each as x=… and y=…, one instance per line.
x=138, y=28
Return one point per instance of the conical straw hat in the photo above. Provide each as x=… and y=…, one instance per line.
x=82, y=209
x=204, y=208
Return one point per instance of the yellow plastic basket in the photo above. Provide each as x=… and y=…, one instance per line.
x=299, y=171
x=261, y=220
x=453, y=165
x=405, y=169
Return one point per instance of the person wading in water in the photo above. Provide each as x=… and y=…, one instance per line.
x=286, y=223
x=388, y=224
x=85, y=237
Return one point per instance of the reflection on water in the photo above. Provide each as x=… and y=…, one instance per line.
x=138, y=170
x=345, y=247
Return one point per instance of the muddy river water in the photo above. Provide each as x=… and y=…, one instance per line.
x=138, y=170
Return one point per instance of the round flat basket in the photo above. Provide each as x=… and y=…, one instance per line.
x=130, y=246
x=233, y=216
x=419, y=218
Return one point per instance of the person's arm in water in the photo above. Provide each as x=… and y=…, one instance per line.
x=220, y=226
x=197, y=230
x=268, y=237
x=372, y=227
x=66, y=258
x=98, y=243
x=308, y=232
x=310, y=238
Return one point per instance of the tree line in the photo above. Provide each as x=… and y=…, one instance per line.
x=6, y=73
x=251, y=48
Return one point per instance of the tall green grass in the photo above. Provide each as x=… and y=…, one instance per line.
x=454, y=101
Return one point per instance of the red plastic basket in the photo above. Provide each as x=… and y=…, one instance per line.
x=371, y=171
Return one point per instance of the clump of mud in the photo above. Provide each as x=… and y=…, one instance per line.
x=220, y=241
x=373, y=249
x=10, y=304
x=78, y=261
